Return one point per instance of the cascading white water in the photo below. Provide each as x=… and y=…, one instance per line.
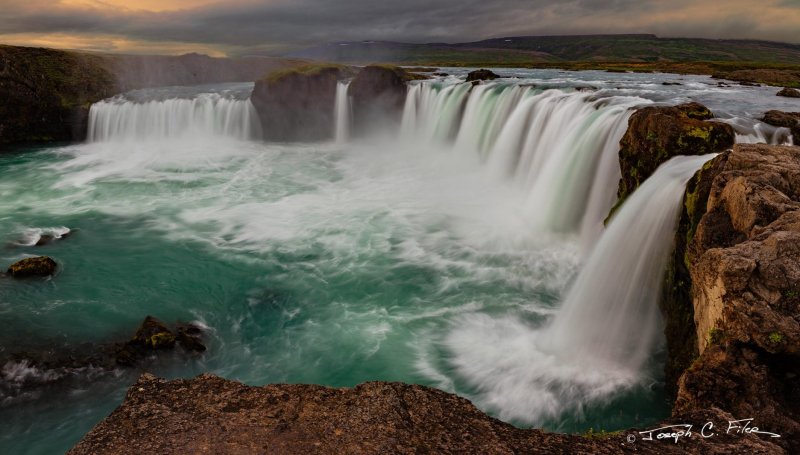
x=342, y=113
x=749, y=132
x=607, y=328
x=205, y=114
x=561, y=145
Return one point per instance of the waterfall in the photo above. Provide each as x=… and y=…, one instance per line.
x=599, y=343
x=562, y=146
x=610, y=315
x=749, y=131
x=204, y=115
x=342, y=113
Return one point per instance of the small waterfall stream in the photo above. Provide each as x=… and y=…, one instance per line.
x=342, y=113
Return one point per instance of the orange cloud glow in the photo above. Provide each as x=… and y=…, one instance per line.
x=139, y=5
x=109, y=44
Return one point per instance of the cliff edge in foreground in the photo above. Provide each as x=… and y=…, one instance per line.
x=212, y=415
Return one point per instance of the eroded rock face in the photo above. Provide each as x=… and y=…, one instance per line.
x=743, y=256
x=656, y=134
x=211, y=415
x=298, y=103
x=38, y=266
x=378, y=94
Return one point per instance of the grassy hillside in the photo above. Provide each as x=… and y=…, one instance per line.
x=529, y=50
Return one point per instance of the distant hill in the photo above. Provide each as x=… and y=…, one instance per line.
x=525, y=50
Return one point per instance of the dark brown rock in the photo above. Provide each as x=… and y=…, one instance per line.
x=378, y=93
x=38, y=266
x=481, y=75
x=298, y=103
x=46, y=93
x=789, y=120
x=211, y=415
x=153, y=335
x=789, y=92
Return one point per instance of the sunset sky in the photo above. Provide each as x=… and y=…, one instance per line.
x=242, y=27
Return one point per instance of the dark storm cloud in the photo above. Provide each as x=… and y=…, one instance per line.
x=242, y=25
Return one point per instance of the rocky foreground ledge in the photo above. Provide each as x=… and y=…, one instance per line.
x=213, y=415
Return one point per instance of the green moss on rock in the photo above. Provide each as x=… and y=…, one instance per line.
x=656, y=134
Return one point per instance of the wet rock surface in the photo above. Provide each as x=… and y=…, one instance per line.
x=789, y=92
x=41, y=266
x=789, y=120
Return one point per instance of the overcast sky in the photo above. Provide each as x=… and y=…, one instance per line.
x=240, y=27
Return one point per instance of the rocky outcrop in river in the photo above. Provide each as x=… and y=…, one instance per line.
x=378, y=93
x=298, y=104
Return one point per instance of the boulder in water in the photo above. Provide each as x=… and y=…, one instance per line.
x=38, y=266
x=481, y=75
x=789, y=120
x=789, y=93
x=298, y=103
x=153, y=335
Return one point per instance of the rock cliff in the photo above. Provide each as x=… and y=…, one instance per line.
x=209, y=415
x=744, y=263
x=46, y=94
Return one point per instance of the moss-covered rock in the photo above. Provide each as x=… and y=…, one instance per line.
x=656, y=134
x=38, y=266
x=676, y=301
x=298, y=103
x=378, y=93
x=46, y=93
